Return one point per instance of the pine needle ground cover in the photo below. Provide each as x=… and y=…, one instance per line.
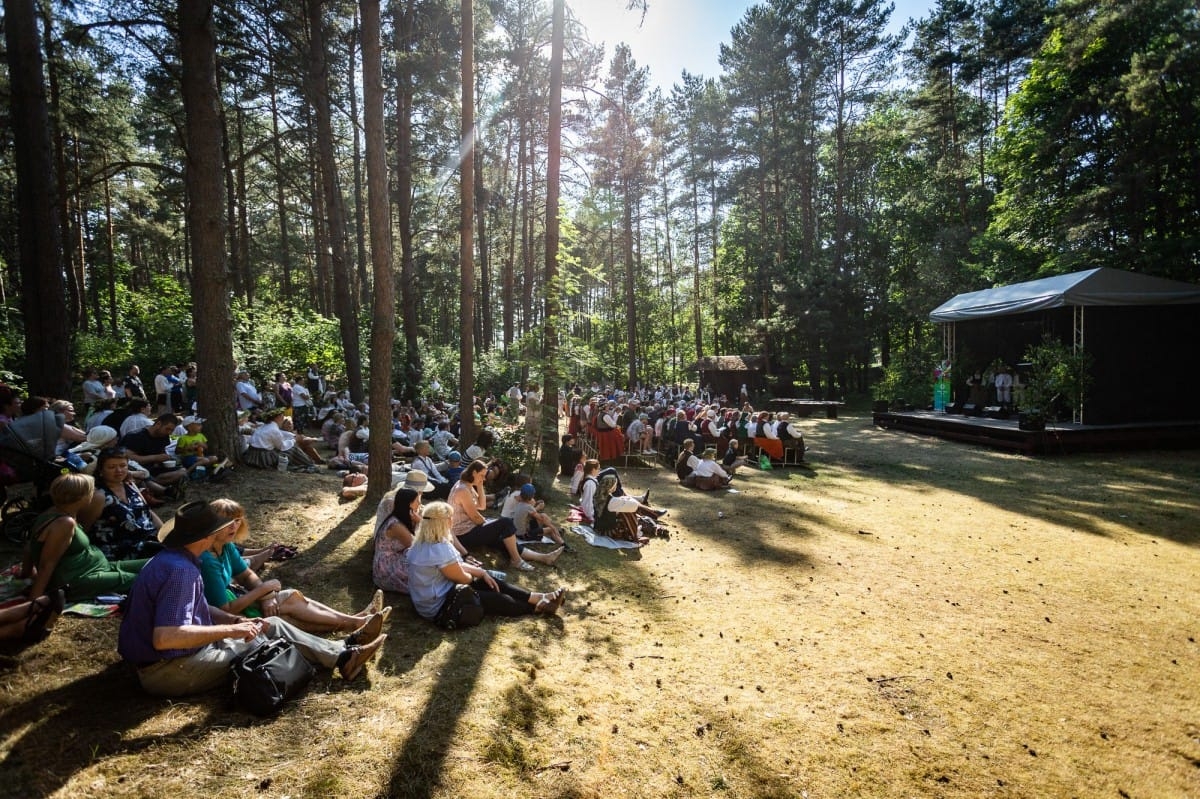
x=905, y=617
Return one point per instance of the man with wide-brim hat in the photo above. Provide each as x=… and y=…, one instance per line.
x=180, y=645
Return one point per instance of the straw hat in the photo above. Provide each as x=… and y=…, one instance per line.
x=417, y=480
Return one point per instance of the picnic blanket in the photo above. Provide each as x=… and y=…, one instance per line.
x=597, y=540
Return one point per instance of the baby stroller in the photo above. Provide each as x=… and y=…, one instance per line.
x=27, y=456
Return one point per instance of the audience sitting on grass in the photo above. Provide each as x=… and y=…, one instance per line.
x=233, y=586
x=423, y=461
x=708, y=474
x=58, y=553
x=617, y=516
x=30, y=620
x=396, y=521
x=268, y=442
x=731, y=460
x=148, y=447
x=587, y=490
x=569, y=456
x=437, y=569
x=523, y=507
x=181, y=646
x=119, y=520
x=686, y=461
x=332, y=429
x=472, y=530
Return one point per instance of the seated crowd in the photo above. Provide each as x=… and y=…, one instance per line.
x=196, y=599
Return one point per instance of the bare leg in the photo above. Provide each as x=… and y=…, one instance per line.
x=548, y=558
x=315, y=617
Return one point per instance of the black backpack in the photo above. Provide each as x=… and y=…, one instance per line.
x=460, y=610
x=268, y=675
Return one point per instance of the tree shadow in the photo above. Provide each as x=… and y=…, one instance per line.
x=68, y=728
x=1081, y=491
x=417, y=771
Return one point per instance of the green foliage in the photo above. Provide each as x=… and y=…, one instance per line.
x=1059, y=378
x=156, y=323
x=1097, y=157
x=271, y=338
x=102, y=351
x=510, y=448
x=909, y=376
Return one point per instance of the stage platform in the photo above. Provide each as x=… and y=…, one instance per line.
x=1059, y=438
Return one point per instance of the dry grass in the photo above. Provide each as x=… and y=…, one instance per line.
x=907, y=618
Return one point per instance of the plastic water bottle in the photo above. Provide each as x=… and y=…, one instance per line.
x=283, y=462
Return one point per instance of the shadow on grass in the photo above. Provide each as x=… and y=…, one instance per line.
x=69, y=728
x=1083, y=491
x=420, y=765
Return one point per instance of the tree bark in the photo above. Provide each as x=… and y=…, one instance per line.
x=383, y=322
x=466, y=366
x=39, y=234
x=551, y=378
x=343, y=300
x=203, y=179
x=402, y=14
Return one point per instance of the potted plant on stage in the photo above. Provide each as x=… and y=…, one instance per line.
x=1058, y=381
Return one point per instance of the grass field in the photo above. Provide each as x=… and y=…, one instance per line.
x=905, y=617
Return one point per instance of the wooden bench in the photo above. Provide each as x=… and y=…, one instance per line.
x=805, y=407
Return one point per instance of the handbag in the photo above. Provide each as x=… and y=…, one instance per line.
x=269, y=674
x=460, y=610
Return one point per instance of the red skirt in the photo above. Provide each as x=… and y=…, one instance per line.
x=610, y=444
x=772, y=446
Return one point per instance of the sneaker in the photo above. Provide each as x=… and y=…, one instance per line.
x=358, y=656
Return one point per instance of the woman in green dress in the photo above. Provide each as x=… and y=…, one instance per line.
x=59, y=554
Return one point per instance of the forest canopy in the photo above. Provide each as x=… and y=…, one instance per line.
x=811, y=203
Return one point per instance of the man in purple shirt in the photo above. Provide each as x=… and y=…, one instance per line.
x=179, y=645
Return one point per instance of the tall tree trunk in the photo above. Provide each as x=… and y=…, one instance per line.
x=486, y=325
x=76, y=318
x=39, y=235
x=203, y=177
x=551, y=378
x=285, y=251
x=466, y=366
x=383, y=317
x=402, y=13
x=243, y=213
x=630, y=273
x=343, y=301
x=360, y=221
x=508, y=300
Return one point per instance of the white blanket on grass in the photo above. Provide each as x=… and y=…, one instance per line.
x=597, y=540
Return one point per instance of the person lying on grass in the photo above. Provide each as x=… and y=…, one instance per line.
x=231, y=585
x=180, y=646
x=436, y=568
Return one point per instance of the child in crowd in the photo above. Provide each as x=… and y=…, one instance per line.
x=191, y=449
x=525, y=510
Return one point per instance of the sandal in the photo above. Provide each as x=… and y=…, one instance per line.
x=42, y=616
x=524, y=565
x=549, y=604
